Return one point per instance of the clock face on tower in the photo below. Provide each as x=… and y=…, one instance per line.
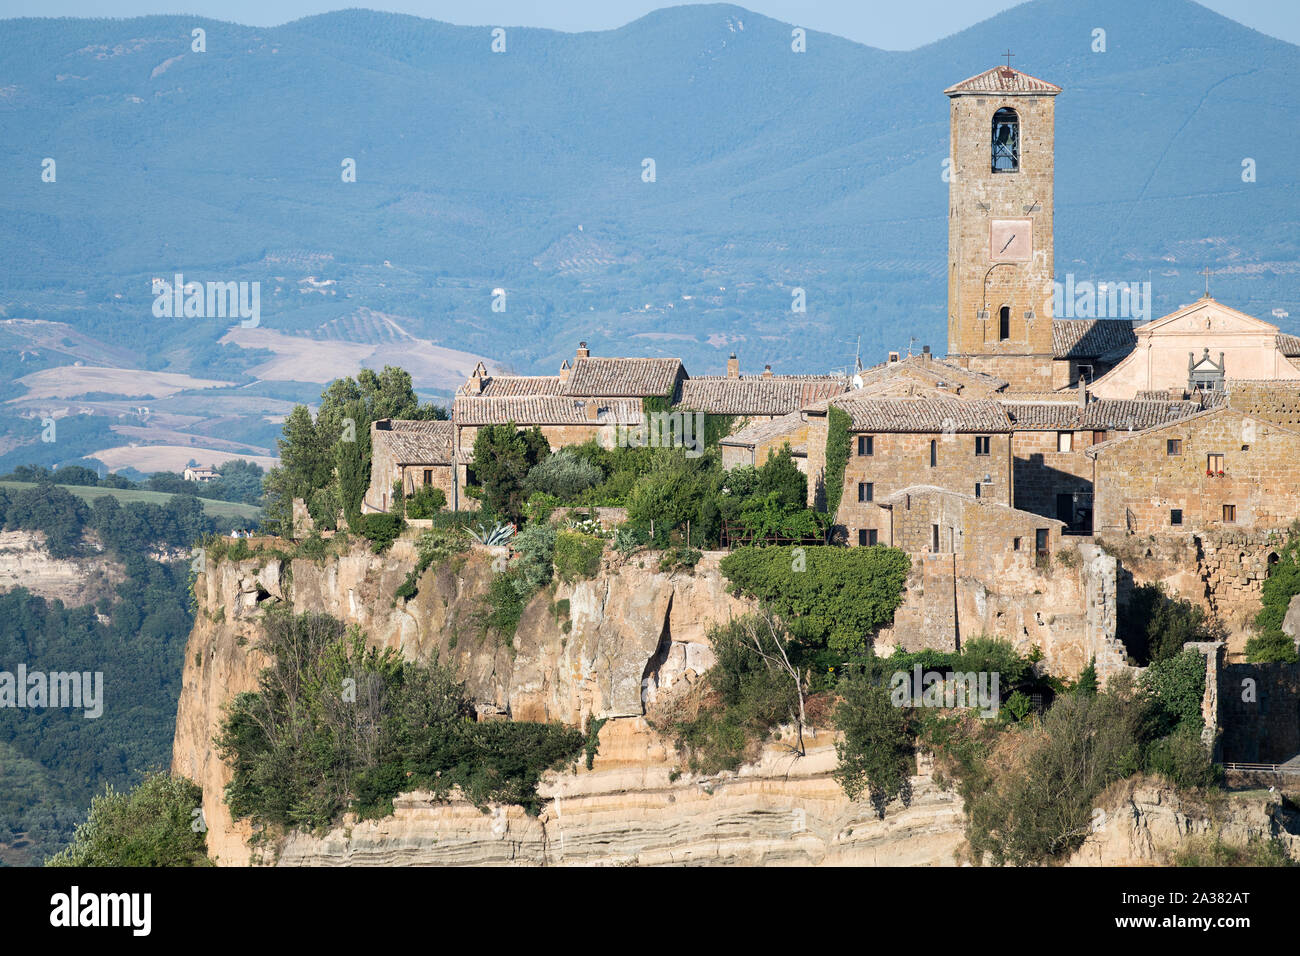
x=1011, y=240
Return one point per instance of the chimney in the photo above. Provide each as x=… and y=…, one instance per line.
x=583, y=351
x=593, y=410
x=733, y=366
x=564, y=371
x=1083, y=392
x=476, y=380
x=767, y=371
x=925, y=353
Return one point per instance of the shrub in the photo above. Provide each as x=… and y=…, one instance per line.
x=680, y=559
x=839, y=599
x=837, y=456
x=301, y=751
x=540, y=506
x=426, y=502
x=563, y=475
x=1175, y=688
x=876, y=751
x=380, y=529
x=1271, y=649
x=1154, y=626
x=577, y=556
x=152, y=825
x=536, y=548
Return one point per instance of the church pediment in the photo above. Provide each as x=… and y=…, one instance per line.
x=1204, y=316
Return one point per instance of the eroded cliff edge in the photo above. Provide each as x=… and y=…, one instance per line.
x=624, y=637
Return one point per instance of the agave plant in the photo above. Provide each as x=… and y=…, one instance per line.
x=498, y=534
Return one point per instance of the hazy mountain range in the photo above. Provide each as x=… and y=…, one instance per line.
x=523, y=171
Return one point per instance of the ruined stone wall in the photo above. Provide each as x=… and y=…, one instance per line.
x=1259, y=712
x=1066, y=608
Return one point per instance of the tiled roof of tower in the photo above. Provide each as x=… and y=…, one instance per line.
x=1103, y=415
x=418, y=443
x=760, y=432
x=622, y=377
x=1091, y=338
x=1289, y=344
x=923, y=414
x=778, y=395
x=1003, y=79
x=543, y=410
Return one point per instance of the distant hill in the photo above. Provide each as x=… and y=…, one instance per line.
x=523, y=170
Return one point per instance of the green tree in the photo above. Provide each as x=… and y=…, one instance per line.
x=876, y=750
x=155, y=824
x=837, y=456
x=503, y=457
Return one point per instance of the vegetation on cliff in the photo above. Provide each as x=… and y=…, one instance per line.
x=1283, y=583
x=158, y=823
x=337, y=727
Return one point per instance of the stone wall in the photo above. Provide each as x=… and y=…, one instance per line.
x=1140, y=479
x=1042, y=472
x=1066, y=608
x=902, y=459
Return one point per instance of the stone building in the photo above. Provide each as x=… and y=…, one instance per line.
x=416, y=453
x=1221, y=469
x=897, y=442
x=927, y=519
x=753, y=444
x=1200, y=347
x=1000, y=247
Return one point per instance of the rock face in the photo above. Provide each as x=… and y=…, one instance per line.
x=622, y=639
x=26, y=563
x=1146, y=824
x=629, y=810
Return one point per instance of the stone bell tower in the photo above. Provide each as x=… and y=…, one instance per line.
x=1000, y=259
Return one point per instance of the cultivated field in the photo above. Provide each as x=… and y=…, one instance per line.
x=125, y=495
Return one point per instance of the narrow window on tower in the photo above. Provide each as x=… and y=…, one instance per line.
x=1006, y=141
x=1004, y=323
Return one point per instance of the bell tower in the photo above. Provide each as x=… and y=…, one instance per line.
x=1000, y=257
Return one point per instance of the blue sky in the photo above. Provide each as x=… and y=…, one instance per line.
x=882, y=23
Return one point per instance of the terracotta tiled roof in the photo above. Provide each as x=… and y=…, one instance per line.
x=923, y=415
x=935, y=371
x=1003, y=79
x=761, y=432
x=1289, y=344
x=503, y=385
x=1104, y=415
x=417, y=443
x=543, y=410
x=778, y=395
x=622, y=377
x=1091, y=338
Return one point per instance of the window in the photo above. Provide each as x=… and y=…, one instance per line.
x=978, y=486
x=866, y=537
x=866, y=491
x=1004, y=323
x=1040, y=542
x=982, y=443
x=934, y=452
x=1174, y=446
x=1245, y=448
x=1015, y=544
x=1229, y=514
x=428, y=476
x=1098, y=437
x=1065, y=441
x=866, y=445
x=1214, y=464
x=934, y=538
x=1006, y=141
x=1176, y=516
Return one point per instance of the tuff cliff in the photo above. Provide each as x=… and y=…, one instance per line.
x=628, y=635
x=26, y=562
